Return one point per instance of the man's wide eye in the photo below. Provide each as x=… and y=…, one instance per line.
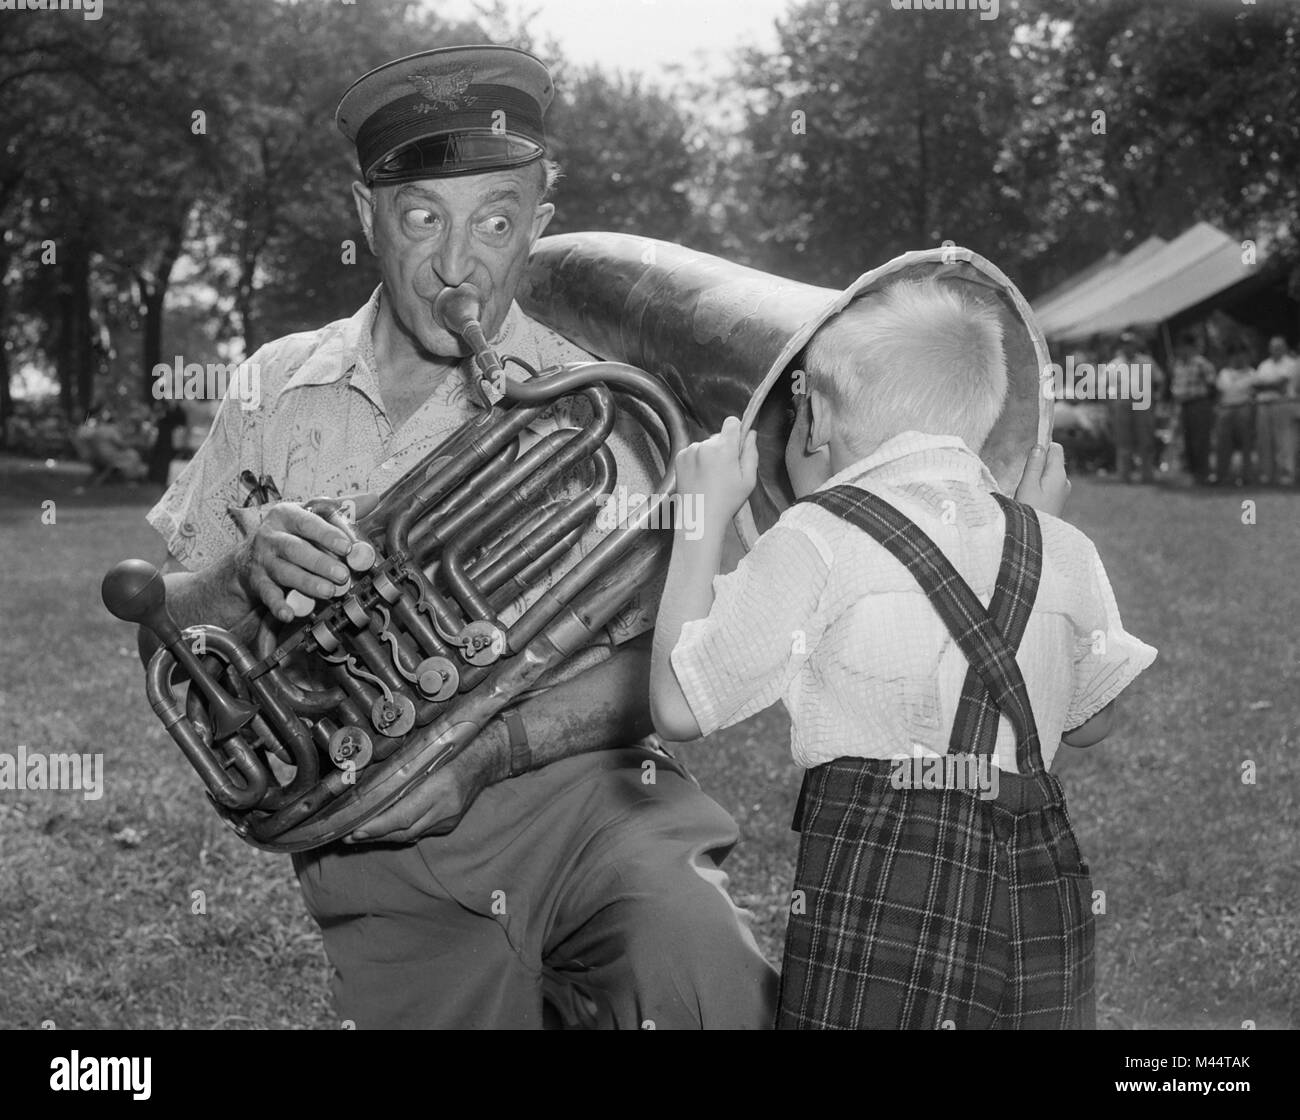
x=497, y=226
x=420, y=218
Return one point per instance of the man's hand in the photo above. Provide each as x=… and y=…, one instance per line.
x=1044, y=484
x=721, y=470
x=435, y=806
x=294, y=550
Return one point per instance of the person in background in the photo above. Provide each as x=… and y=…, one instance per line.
x=1133, y=420
x=100, y=442
x=1275, y=413
x=170, y=418
x=1234, y=420
x=1193, y=392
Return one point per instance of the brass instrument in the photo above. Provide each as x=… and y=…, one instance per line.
x=726, y=338
x=409, y=665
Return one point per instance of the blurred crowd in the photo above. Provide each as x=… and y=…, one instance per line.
x=1231, y=422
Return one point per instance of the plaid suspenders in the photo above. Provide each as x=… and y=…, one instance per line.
x=925, y=908
x=989, y=638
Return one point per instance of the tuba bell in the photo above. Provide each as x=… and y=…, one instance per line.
x=727, y=339
x=303, y=731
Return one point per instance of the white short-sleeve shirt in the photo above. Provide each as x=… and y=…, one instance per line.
x=820, y=615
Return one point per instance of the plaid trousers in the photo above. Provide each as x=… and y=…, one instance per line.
x=920, y=908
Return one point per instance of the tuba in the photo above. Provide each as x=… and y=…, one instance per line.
x=303, y=731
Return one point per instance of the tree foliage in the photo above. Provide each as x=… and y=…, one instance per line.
x=1042, y=138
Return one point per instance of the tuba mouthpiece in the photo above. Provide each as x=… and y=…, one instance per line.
x=455, y=308
x=458, y=310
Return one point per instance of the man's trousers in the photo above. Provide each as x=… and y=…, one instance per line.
x=585, y=894
x=1134, y=432
x=1198, y=436
x=1234, y=430
x=1275, y=437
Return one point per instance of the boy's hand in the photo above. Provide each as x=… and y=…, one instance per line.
x=721, y=470
x=1044, y=484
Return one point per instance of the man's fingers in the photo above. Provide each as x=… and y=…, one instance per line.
x=404, y=818
x=271, y=596
x=303, y=523
x=311, y=559
x=289, y=576
x=433, y=823
x=388, y=824
x=1055, y=459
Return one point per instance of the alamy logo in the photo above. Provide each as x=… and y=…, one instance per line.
x=101, y=1074
x=625, y=507
x=193, y=381
x=965, y=771
x=89, y=9
x=1105, y=381
x=988, y=9
x=37, y=770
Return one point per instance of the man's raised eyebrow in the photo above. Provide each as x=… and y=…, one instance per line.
x=407, y=190
x=506, y=193
x=501, y=194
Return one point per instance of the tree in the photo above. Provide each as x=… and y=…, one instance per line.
x=622, y=147
x=875, y=131
x=276, y=230
x=1201, y=105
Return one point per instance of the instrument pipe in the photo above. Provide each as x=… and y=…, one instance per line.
x=184, y=734
x=537, y=541
x=621, y=539
x=469, y=514
x=530, y=473
x=491, y=470
x=524, y=580
x=335, y=808
x=279, y=714
x=469, y=450
x=506, y=508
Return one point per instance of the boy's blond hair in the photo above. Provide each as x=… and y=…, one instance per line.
x=916, y=356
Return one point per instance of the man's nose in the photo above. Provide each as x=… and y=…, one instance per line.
x=454, y=261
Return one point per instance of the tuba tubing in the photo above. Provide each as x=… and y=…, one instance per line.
x=365, y=694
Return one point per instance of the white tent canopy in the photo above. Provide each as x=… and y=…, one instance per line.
x=1053, y=306
x=1151, y=284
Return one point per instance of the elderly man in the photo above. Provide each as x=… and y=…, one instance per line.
x=1275, y=413
x=538, y=879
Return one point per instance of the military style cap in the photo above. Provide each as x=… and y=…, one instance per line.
x=451, y=111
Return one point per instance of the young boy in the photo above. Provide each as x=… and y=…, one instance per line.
x=924, y=631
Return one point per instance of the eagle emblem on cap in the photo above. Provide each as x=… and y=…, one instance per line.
x=444, y=91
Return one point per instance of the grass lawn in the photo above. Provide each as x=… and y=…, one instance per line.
x=1201, y=872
